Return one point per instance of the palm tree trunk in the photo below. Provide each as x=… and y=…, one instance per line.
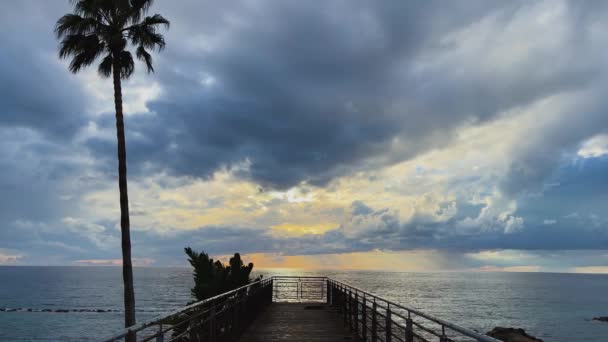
x=127, y=268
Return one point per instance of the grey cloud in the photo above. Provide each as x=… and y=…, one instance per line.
x=303, y=104
x=37, y=92
x=310, y=93
x=538, y=158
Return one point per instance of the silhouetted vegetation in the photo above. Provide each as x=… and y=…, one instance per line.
x=212, y=278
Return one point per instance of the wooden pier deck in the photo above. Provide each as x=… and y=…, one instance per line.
x=298, y=322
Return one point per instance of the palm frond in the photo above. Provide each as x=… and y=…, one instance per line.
x=156, y=19
x=107, y=27
x=87, y=8
x=70, y=45
x=144, y=56
x=146, y=36
x=75, y=24
x=100, y=10
x=139, y=8
x=127, y=66
x=83, y=50
x=142, y=5
x=82, y=60
x=105, y=67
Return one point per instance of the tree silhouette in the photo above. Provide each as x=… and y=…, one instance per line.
x=214, y=278
x=105, y=29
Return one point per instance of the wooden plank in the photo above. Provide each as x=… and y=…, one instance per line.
x=297, y=322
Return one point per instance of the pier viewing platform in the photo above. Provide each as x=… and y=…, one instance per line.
x=291, y=308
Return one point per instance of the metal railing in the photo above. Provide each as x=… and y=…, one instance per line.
x=220, y=318
x=371, y=318
x=294, y=289
x=375, y=319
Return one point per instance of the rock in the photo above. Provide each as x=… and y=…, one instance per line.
x=512, y=335
x=62, y=310
x=601, y=318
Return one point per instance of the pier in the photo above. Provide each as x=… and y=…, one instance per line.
x=291, y=308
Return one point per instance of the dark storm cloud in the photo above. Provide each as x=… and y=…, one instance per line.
x=309, y=92
x=304, y=92
x=36, y=91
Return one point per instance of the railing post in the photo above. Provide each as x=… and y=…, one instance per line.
x=235, y=315
x=327, y=289
x=335, y=296
x=409, y=328
x=271, y=289
x=374, y=322
x=356, y=313
x=364, y=319
x=388, y=324
x=160, y=337
x=350, y=309
x=345, y=304
x=443, y=337
x=212, y=324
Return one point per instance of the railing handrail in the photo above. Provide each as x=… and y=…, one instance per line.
x=462, y=330
x=159, y=319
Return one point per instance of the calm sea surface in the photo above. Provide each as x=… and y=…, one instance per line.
x=554, y=307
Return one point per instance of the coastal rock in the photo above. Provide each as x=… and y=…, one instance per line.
x=512, y=335
x=601, y=318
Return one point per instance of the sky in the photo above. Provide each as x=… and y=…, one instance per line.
x=395, y=135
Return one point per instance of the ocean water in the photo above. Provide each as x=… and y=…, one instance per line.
x=554, y=307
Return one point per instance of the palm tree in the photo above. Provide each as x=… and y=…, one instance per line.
x=105, y=29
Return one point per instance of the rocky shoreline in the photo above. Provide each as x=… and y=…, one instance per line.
x=512, y=335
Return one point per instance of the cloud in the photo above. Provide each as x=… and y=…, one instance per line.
x=8, y=258
x=595, y=147
x=100, y=235
x=352, y=96
x=37, y=92
x=509, y=269
x=591, y=269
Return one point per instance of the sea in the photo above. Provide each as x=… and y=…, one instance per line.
x=552, y=306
